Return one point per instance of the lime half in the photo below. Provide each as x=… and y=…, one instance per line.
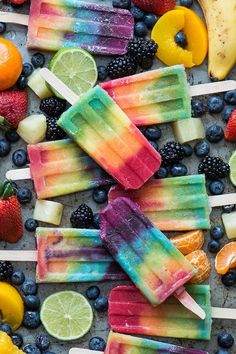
x=76, y=68
x=66, y=315
x=232, y=164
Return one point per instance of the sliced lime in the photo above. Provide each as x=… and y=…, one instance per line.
x=232, y=164
x=66, y=315
x=76, y=68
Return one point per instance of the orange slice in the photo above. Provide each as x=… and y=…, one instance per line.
x=10, y=64
x=189, y=241
x=226, y=258
x=201, y=263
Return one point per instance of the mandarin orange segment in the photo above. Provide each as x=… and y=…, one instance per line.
x=189, y=241
x=226, y=258
x=201, y=263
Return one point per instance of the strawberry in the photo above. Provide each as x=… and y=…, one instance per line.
x=13, y=108
x=158, y=7
x=11, y=228
x=230, y=130
x=18, y=2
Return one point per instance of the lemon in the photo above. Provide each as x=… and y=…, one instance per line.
x=232, y=164
x=76, y=68
x=66, y=315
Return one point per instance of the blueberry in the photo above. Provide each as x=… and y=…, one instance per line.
x=217, y=232
x=162, y=172
x=202, y=148
x=32, y=302
x=216, y=187
x=213, y=246
x=154, y=144
x=230, y=97
x=229, y=279
x=227, y=113
x=222, y=351
x=137, y=13
x=22, y=82
x=100, y=195
x=38, y=60
x=31, y=224
x=215, y=104
x=24, y=195
x=17, y=339
x=18, y=278
x=93, y=292
x=101, y=304
x=31, y=349
x=140, y=29
x=5, y=327
x=12, y=136
x=228, y=208
x=181, y=39
x=214, y=133
x=152, y=133
x=31, y=319
x=188, y=150
x=20, y=158
x=198, y=108
x=96, y=221
x=178, y=169
x=225, y=340
x=27, y=69
x=42, y=341
x=3, y=27
x=29, y=287
x=122, y=4
x=186, y=3
x=5, y=147
x=97, y=343
x=150, y=20
x=102, y=73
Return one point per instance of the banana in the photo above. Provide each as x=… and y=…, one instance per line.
x=220, y=17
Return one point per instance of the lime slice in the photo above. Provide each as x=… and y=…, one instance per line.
x=66, y=315
x=232, y=164
x=76, y=68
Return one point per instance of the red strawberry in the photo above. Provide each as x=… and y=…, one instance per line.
x=11, y=228
x=13, y=108
x=230, y=130
x=18, y=2
x=158, y=7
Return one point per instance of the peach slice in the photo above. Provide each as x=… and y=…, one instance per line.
x=172, y=22
x=226, y=258
x=189, y=241
x=201, y=263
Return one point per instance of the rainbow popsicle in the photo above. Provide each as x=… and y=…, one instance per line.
x=73, y=255
x=152, y=262
x=61, y=167
x=152, y=97
x=103, y=130
x=54, y=24
x=130, y=312
x=172, y=204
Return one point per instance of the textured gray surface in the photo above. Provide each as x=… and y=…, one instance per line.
x=221, y=296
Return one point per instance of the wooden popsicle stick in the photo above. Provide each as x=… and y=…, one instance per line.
x=221, y=200
x=18, y=174
x=83, y=351
x=182, y=295
x=18, y=256
x=212, y=87
x=222, y=313
x=19, y=19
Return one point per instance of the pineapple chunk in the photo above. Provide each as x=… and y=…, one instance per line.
x=229, y=221
x=187, y=130
x=38, y=85
x=48, y=211
x=33, y=128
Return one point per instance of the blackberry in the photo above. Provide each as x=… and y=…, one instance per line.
x=143, y=51
x=214, y=167
x=82, y=217
x=171, y=153
x=54, y=132
x=52, y=106
x=6, y=270
x=122, y=66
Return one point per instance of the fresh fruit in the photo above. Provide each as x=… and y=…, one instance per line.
x=96, y=221
x=178, y=169
x=17, y=339
x=214, y=167
x=216, y=187
x=188, y=150
x=54, y=132
x=181, y=40
x=217, y=232
x=24, y=195
x=9, y=210
x=6, y=270
x=18, y=278
x=187, y=130
x=202, y=148
x=154, y=144
x=201, y=263
x=198, y=107
x=101, y=304
x=229, y=279
x=162, y=172
x=27, y=69
x=226, y=258
x=213, y=246
x=11, y=305
x=214, y=133
x=38, y=85
x=102, y=73
x=3, y=27
x=82, y=217
x=122, y=4
x=33, y=128
x=186, y=3
x=229, y=222
x=158, y=7
x=225, y=340
x=165, y=30
x=232, y=164
x=13, y=108
x=66, y=315
x=42, y=341
x=17, y=2
x=137, y=13
x=32, y=302
x=215, y=104
x=228, y=208
x=152, y=133
x=31, y=319
x=6, y=345
x=143, y=51
x=48, y=211
x=220, y=18
x=97, y=343
x=12, y=136
x=19, y=158
x=5, y=327
x=52, y=106
x=140, y=29
x=76, y=68
x=31, y=349
x=171, y=153
x=227, y=113
x=230, y=130
x=100, y=195
x=230, y=97
x=38, y=60
x=22, y=82
x=29, y=287
x=31, y=225
x=93, y=292
x=5, y=147
x=150, y=20
x=10, y=64
x=189, y=241
x=122, y=66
